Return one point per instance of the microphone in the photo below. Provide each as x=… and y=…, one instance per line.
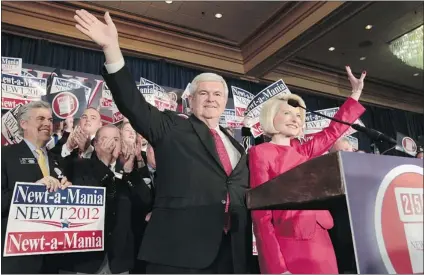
x=373, y=134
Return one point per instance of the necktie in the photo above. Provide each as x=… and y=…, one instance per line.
x=55, y=138
x=225, y=161
x=42, y=162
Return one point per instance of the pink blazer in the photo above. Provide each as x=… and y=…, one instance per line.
x=296, y=240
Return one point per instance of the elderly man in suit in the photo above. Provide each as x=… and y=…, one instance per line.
x=124, y=187
x=199, y=222
x=29, y=161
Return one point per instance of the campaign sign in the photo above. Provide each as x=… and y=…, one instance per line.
x=254, y=108
x=43, y=222
x=242, y=98
x=11, y=65
x=10, y=128
x=385, y=203
x=17, y=90
x=315, y=123
x=62, y=84
x=67, y=103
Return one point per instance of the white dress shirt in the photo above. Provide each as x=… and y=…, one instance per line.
x=233, y=153
x=87, y=154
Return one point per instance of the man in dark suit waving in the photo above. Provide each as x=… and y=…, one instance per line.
x=28, y=161
x=199, y=222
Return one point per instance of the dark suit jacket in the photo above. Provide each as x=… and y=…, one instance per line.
x=57, y=149
x=12, y=171
x=186, y=226
x=120, y=195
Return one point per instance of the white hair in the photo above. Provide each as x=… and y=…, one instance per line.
x=342, y=139
x=23, y=113
x=271, y=108
x=207, y=77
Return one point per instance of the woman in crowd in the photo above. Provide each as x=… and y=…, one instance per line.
x=295, y=241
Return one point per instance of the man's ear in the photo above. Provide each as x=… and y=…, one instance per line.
x=23, y=124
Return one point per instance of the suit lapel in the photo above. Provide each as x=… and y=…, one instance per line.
x=206, y=138
x=233, y=141
x=25, y=152
x=238, y=147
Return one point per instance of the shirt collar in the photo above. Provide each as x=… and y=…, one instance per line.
x=32, y=147
x=112, y=165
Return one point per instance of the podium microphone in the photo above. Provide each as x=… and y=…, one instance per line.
x=373, y=134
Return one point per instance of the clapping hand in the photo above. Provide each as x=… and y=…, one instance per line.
x=128, y=153
x=81, y=139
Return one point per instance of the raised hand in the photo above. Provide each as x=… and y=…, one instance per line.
x=357, y=84
x=104, y=35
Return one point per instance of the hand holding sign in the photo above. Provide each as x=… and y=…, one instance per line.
x=51, y=183
x=64, y=183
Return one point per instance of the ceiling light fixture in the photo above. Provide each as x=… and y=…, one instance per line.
x=368, y=27
x=331, y=49
x=416, y=74
x=409, y=48
x=218, y=15
x=168, y=2
x=363, y=58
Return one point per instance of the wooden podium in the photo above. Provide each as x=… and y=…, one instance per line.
x=308, y=186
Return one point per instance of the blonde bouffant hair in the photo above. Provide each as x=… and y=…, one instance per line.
x=271, y=108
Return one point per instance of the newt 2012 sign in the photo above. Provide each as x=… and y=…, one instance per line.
x=43, y=222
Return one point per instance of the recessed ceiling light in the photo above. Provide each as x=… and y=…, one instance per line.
x=331, y=49
x=368, y=27
x=218, y=15
x=416, y=74
x=363, y=58
x=168, y=2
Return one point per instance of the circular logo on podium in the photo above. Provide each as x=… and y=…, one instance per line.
x=65, y=104
x=409, y=145
x=399, y=220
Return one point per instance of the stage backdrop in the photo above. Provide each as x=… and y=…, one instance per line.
x=45, y=53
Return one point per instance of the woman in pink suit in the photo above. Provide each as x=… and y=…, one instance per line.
x=295, y=241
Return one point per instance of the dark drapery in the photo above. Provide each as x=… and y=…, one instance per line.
x=45, y=53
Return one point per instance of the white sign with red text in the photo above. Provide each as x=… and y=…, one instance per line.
x=242, y=98
x=43, y=222
x=17, y=90
x=63, y=84
x=254, y=108
x=316, y=123
x=10, y=128
x=11, y=65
